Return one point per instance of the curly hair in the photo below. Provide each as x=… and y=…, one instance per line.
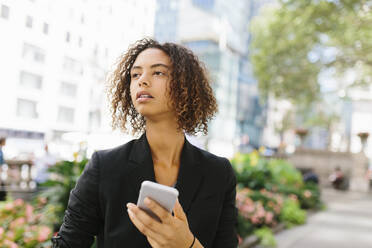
x=189, y=90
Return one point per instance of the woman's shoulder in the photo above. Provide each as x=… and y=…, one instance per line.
x=212, y=161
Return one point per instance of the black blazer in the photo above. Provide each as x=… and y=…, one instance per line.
x=112, y=178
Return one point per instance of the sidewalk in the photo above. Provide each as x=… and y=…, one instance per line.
x=347, y=223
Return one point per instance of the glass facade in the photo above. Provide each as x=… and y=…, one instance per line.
x=225, y=52
x=166, y=20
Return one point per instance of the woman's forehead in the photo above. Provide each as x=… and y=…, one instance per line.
x=151, y=56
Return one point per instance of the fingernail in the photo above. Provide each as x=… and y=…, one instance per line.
x=130, y=212
x=147, y=201
x=130, y=205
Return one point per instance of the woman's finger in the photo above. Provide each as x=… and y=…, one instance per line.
x=145, y=230
x=162, y=213
x=178, y=211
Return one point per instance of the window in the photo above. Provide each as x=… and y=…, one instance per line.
x=46, y=28
x=95, y=50
x=29, y=21
x=72, y=65
x=30, y=80
x=68, y=89
x=33, y=53
x=27, y=109
x=65, y=115
x=94, y=119
x=67, y=36
x=80, y=42
x=4, y=11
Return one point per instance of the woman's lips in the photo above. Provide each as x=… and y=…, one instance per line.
x=143, y=99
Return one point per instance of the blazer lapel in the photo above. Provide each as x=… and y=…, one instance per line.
x=141, y=168
x=189, y=176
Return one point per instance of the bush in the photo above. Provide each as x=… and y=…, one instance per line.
x=266, y=237
x=257, y=173
x=291, y=213
x=251, y=171
x=24, y=225
x=257, y=209
x=66, y=174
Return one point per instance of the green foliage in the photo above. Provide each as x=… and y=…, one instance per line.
x=66, y=175
x=266, y=237
x=245, y=227
x=284, y=173
x=255, y=172
x=310, y=196
x=251, y=170
x=296, y=41
x=291, y=213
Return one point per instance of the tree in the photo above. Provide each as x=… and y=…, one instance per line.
x=299, y=39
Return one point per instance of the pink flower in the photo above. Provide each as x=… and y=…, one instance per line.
x=255, y=219
x=240, y=239
x=293, y=197
x=29, y=210
x=9, y=206
x=248, y=208
x=261, y=213
x=10, y=235
x=307, y=193
x=19, y=202
x=44, y=233
x=17, y=222
x=269, y=217
x=1, y=231
x=10, y=244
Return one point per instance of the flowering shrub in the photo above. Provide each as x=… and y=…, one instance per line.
x=257, y=173
x=23, y=225
x=257, y=209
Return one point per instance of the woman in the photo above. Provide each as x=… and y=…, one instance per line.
x=162, y=91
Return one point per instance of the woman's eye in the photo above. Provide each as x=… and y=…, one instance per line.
x=134, y=75
x=158, y=73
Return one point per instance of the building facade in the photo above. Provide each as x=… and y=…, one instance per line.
x=56, y=56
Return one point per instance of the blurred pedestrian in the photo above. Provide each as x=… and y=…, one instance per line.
x=2, y=143
x=42, y=164
x=311, y=176
x=2, y=161
x=337, y=178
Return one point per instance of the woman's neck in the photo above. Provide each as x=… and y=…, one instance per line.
x=166, y=142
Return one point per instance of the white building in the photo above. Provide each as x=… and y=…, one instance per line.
x=54, y=58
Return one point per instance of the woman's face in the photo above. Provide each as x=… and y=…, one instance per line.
x=150, y=77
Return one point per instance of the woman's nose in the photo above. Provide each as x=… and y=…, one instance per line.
x=143, y=80
x=143, y=83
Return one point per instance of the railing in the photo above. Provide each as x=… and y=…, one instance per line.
x=18, y=176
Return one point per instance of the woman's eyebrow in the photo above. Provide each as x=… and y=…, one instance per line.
x=152, y=66
x=157, y=65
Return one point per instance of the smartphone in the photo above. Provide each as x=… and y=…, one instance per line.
x=164, y=195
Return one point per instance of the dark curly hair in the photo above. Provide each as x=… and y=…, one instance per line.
x=189, y=90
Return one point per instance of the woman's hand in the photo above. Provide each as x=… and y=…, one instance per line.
x=172, y=232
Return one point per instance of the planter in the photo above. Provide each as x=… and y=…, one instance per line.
x=363, y=139
x=302, y=133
